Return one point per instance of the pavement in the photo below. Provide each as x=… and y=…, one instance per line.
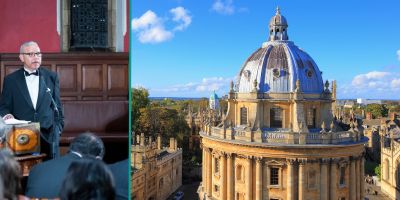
x=373, y=192
x=190, y=191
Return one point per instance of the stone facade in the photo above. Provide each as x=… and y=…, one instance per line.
x=390, y=156
x=157, y=171
x=246, y=171
x=279, y=138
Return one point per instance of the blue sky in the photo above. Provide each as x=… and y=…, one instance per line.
x=188, y=48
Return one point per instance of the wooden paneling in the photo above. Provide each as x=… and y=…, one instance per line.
x=83, y=76
x=68, y=78
x=117, y=78
x=92, y=78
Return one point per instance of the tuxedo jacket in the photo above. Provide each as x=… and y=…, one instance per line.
x=45, y=179
x=15, y=99
x=121, y=178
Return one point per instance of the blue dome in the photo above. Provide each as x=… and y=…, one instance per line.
x=276, y=67
x=214, y=96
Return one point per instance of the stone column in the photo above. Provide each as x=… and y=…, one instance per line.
x=204, y=165
x=209, y=172
x=333, y=180
x=362, y=194
x=259, y=177
x=249, y=180
x=223, y=177
x=324, y=179
x=302, y=179
x=358, y=177
x=352, y=190
x=230, y=179
x=290, y=183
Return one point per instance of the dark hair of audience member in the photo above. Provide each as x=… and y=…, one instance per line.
x=88, y=144
x=10, y=173
x=88, y=178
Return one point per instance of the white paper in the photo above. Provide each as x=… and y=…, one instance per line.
x=13, y=121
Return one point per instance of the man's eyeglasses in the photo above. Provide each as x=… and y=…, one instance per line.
x=32, y=54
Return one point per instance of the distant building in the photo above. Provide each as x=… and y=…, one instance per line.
x=214, y=101
x=279, y=138
x=390, y=157
x=156, y=171
x=368, y=101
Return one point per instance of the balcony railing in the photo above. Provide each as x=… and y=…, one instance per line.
x=282, y=136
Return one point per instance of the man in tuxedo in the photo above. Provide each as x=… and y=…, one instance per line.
x=120, y=171
x=45, y=179
x=32, y=93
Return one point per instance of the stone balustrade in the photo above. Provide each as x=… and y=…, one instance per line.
x=283, y=136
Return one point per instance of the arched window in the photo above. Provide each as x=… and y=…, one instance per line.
x=342, y=176
x=387, y=170
x=311, y=117
x=276, y=117
x=161, y=183
x=239, y=173
x=243, y=116
x=216, y=164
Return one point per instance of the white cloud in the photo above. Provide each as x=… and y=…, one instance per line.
x=225, y=7
x=371, y=79
x=204, y=87
x=398, y=54
x=151, y=29
x=182, y=17
x=145, y=21
x=155, y=34
x=395, y=83
x=372, y=85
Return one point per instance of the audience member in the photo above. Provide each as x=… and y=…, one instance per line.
x=10, y=173
x=88, y=179
x=45, y=179
x=120, y=171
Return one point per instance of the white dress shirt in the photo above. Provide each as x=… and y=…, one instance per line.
x=32, y=82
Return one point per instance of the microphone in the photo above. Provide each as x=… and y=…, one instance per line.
x=48, y=90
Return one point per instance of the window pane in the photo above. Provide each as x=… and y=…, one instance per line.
x=276, y=117
x=274, y=180
x=89, y=24
x=342, y=175
x=243, y=116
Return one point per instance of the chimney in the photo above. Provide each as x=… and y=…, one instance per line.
x=176, y=144
x=171, y=143
x=368, y=116
x=142, y=139
x=159, y=142
x=150, y=141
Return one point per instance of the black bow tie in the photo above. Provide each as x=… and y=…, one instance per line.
x=36, y=73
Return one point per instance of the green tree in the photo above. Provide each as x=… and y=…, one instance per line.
x=377, y=110
x=378, y=171
x=395, y=108
x=165, y=121
x=140, y=99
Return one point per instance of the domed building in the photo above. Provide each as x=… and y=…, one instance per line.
x=279, y=138
x=214, y=101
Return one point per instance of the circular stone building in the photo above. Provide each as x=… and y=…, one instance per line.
x=279, y=138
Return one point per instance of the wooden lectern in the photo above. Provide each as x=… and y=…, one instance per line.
x=23, y=138
x=24, y=141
